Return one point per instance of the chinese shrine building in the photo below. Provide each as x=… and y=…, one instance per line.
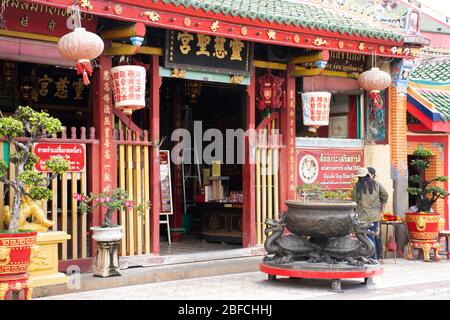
x=212, y=68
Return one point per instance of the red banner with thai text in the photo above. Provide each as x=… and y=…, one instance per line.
x=333, y=169
x=35, y=18
x=74, y=153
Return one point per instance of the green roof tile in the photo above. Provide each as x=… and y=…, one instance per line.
x=295, y=13
x=434, y=69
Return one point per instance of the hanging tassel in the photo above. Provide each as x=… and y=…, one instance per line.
x=86, y=81
x=376, y=99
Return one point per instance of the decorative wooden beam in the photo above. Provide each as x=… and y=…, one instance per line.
x=269, y=65
x=121, y=49
x=304, y=72
x=323, y=55
x=134, y=30
x=161, y=15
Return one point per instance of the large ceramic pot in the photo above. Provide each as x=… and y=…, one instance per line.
x=15, y=252
x=322, y=219
x=101, y=234
x=423, y=227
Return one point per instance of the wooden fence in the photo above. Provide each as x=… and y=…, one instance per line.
x=62, y=208
x=267, y=158
x=134, y=177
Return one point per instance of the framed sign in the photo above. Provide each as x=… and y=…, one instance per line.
x=342, y=62
x=75, y=153
x=331, y=168
x=166, y=182
x=207, y=53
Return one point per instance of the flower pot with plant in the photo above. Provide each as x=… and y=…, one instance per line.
x=423, y=224
x=108, y=235
x=21, y=131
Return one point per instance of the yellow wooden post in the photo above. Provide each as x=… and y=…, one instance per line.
x=12, y=174
x=74, y=217
x=2, y=189
x=130, y=194
x=137, y=198
x=264, y=179
x=146, y=201
x=258, y=190
x=123, y=220
x=83, y=219
x=269, y=174
x=55, y=204
x=64, y=212
x=275, y=175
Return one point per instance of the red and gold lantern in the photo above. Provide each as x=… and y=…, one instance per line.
x=81, y=46
x=375, y=80
x=316, y=109
x=270, y=91
x=129, y=88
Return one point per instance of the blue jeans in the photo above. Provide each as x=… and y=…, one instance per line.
x=375, y=239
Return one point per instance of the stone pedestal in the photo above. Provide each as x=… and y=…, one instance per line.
x=44, y=259
x=106, y=259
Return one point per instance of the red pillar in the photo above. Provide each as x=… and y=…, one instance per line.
x=105, y=168
x=248, y=173
x=155, y=196
x=288, y=153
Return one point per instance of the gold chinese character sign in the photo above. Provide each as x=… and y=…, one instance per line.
x=218, y=54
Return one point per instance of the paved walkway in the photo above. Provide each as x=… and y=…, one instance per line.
x=405, y=279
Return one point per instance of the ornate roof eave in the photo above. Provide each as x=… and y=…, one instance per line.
x=194, y=20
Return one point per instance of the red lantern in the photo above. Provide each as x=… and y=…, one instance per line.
x=270, y=92
x=129, y=88
x=374, y=81
x=81, y=46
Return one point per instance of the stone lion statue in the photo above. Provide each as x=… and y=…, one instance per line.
x=32, y=216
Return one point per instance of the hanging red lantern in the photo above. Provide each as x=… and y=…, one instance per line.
x=81, y=46
x=316, y=109
x=270, y=91
x=375, y=80
x=129, y=87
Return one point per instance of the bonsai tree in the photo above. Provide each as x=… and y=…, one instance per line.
x=32, y=126
x=425, y=192
x=112, y=201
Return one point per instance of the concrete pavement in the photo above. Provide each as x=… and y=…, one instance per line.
x=404, y=280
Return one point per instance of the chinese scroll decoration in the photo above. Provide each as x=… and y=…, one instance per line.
x=80, y=46
x=270, y=92
x=129, y=87
x=316, y=109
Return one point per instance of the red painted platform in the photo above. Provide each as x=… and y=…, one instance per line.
x=321, y=270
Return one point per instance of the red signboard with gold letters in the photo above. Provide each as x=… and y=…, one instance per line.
x=39, y=19
x=332, y=168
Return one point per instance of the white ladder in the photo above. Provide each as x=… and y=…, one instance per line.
x=188, y=168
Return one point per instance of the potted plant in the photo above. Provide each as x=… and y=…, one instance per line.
x=17, y=240
x=423, y=224
x=108, y=235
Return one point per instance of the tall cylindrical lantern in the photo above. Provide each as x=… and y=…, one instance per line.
x=129, y=88
x=316, y=109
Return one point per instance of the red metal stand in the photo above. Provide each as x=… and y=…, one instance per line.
x=15, y=283
x=323, y=271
